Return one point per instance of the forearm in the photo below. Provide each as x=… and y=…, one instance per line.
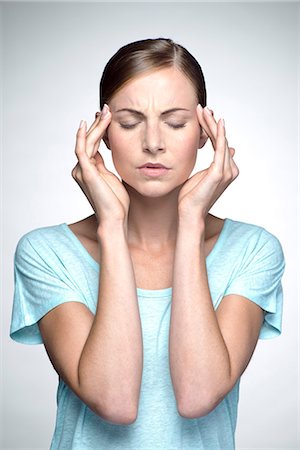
x=199, y=360
x=113, y=352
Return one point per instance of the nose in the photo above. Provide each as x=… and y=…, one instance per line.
x=153, y=138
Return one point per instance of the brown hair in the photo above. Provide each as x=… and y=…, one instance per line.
x=146, y=55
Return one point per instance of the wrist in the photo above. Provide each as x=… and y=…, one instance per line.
x=190, y=233
x=111, y=229
x=191, y=224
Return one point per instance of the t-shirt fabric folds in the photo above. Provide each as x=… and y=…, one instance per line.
x=52, y=267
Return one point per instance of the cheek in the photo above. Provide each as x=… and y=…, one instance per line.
x=119, y=144
x=190, y=135
x=120, y=147
x=118, y=137
x=187, y=155
x=113, y=136
x=189, y=144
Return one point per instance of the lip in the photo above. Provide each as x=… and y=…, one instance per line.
x=149, y=164
x=153, y=172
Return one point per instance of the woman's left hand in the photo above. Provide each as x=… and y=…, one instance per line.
x=201, y=191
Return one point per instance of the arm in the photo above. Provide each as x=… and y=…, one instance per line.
x=100, y=357
x=208, y=350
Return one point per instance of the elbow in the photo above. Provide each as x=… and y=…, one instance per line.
x=194, y=412
x=118, y=418
x=115, y=415
x=196, y=406
x=112, y=410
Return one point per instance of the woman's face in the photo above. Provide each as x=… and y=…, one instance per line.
x=151, y=133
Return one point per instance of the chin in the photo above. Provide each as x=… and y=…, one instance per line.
x=151, y=190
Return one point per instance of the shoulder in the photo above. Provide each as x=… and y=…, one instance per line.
x=251, y=241
x=251, y=233
x=40, y=241
x=40, y=233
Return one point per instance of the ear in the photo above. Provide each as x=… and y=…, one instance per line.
x=203, y=138
x=106, y=140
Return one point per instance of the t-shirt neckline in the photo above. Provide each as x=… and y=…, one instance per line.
x=166, y=292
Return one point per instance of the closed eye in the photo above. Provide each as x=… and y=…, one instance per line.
x=177, y=126
x=123, y=125
x=127, y=126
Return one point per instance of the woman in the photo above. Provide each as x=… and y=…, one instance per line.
x=151, y=308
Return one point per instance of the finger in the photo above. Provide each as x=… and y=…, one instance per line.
x=234, y=167
x=227, y=160
x=97, y=144
x=211, y=121
x=97, y=133
x=229, y=169
x=220, y=150
x=75, y=173
x=95, y=123
x=231, y=162
x=80, y=147
x=96, y=147
x=212, y=113
x=214, y=126
x=208, y=123
x=100, y=163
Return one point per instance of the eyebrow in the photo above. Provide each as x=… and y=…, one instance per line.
x=140, y=114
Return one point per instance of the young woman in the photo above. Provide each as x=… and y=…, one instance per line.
x=151, y=308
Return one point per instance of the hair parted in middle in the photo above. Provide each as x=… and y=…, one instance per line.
x=139, y=57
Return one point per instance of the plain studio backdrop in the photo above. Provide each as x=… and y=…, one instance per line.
x=53, y=56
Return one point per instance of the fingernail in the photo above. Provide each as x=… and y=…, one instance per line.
x=207, y=110
x=104, y=111
x=81, y=123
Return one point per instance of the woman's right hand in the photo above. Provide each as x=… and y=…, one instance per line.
x=104, y=191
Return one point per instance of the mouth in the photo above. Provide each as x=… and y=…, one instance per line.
x=153, y=166
x=153, y=171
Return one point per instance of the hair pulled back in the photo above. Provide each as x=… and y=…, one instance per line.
x=148, y=55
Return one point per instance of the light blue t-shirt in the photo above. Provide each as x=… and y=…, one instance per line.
x=53, y=267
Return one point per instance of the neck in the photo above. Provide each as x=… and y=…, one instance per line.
x=153, y=221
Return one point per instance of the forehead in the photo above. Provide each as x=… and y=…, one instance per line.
x=160, y=88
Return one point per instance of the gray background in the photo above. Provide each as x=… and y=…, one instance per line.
x=53, y=56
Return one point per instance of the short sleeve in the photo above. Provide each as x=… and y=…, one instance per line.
x=260, y=280
x=39, y=286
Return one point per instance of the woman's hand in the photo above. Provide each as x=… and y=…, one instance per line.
x=201, y=191
x=104, y=191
